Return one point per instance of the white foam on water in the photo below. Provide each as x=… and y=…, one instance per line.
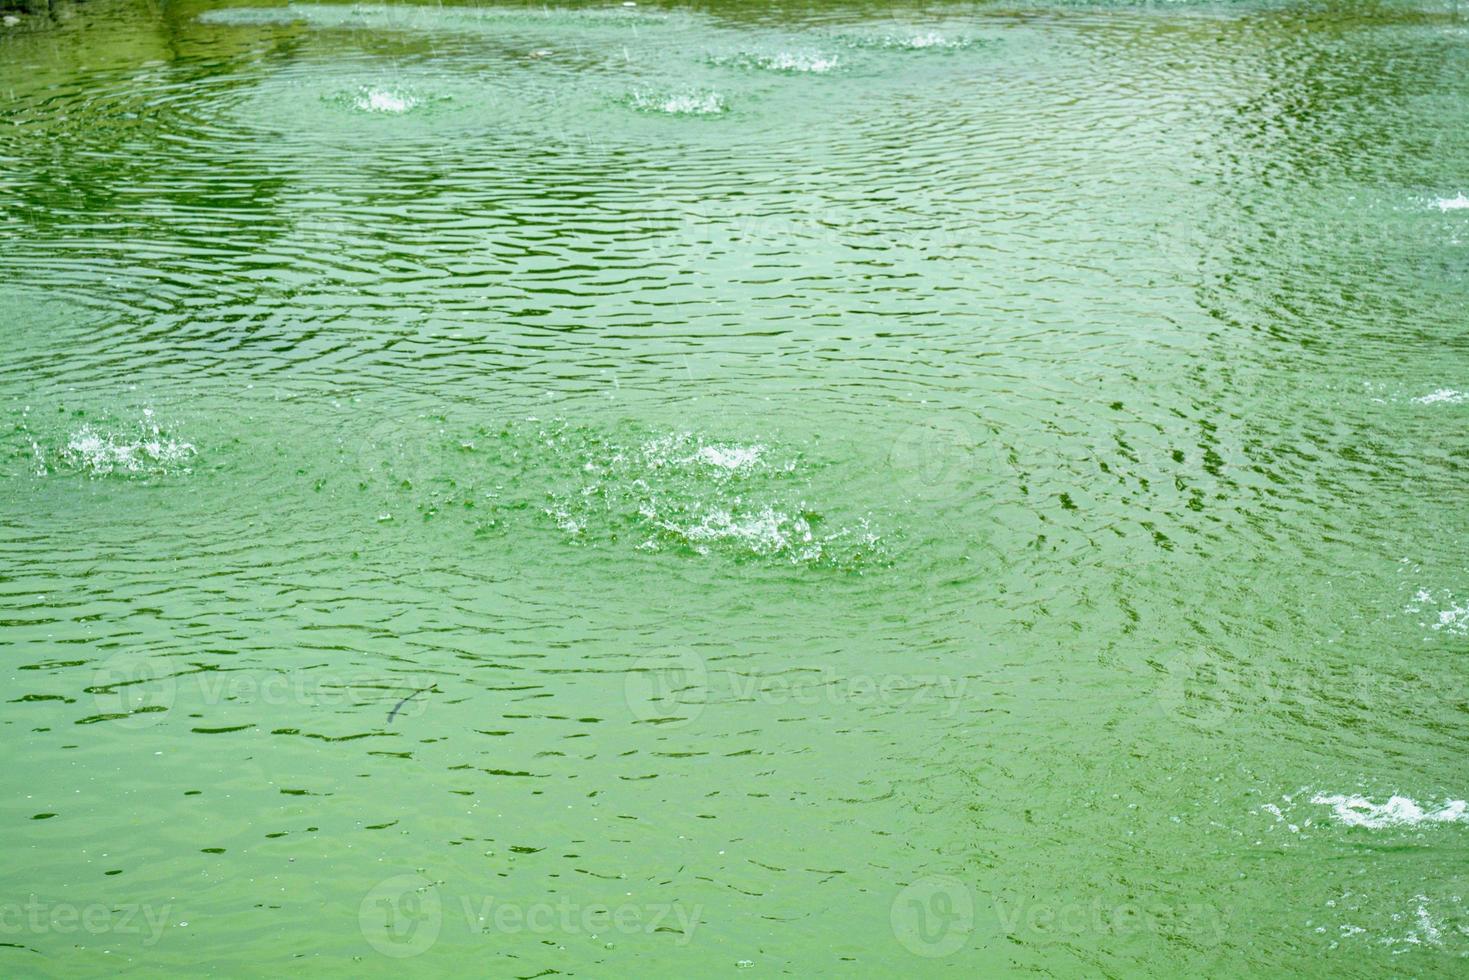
x=100, y=453
x=1454, y=620
x=1452, y=617
x=1443, y=396
x=1426, y=930
x=1459, y=203
x=683, y=104
x=1398, y=811
x=1426, y=924
x=382, y=100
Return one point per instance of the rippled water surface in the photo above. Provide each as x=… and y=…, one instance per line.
x=627, y=490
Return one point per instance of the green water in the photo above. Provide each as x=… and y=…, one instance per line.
x=857, y=490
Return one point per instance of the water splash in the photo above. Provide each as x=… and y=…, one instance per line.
x=382, y=100
x=767, y=532
x=685, y=448
x=930, y=40
x=913, y=40
x=147, y=450
x=1459, y=203
x=683, y=491
x=680, y=104
x=791, y=62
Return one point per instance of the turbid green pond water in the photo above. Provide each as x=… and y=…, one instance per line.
x=735, y=489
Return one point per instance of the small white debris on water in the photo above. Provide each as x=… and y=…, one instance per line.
x=1459, y=203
